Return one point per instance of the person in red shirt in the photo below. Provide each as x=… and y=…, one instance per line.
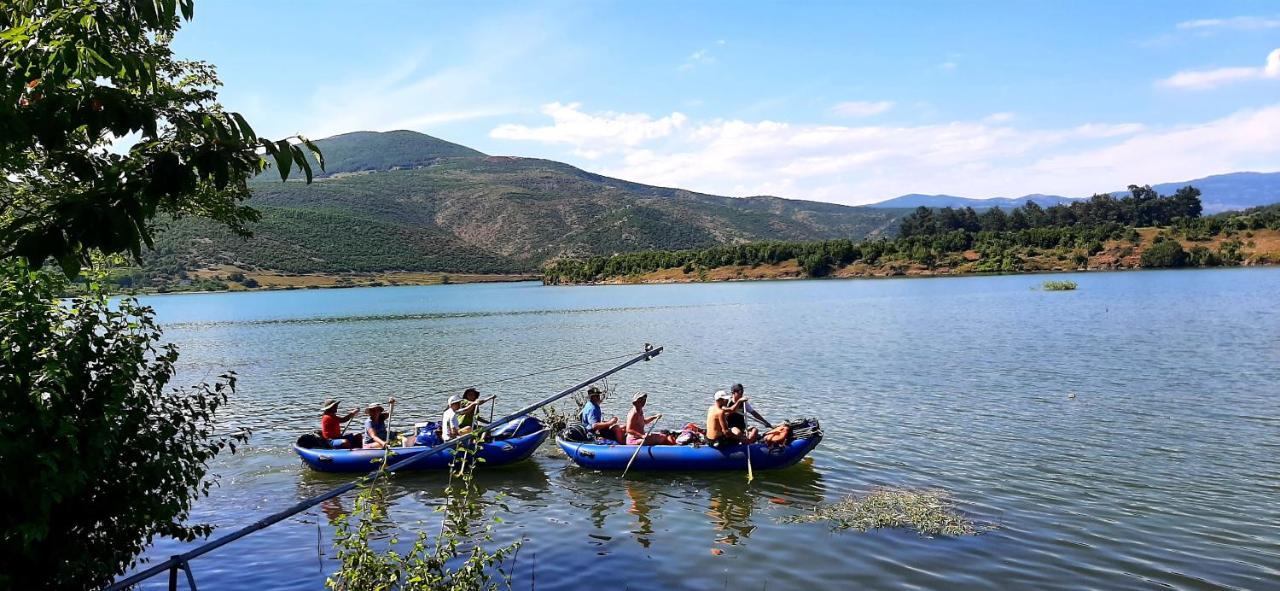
x=331, y=426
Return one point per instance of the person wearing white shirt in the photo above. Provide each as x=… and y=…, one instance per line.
x=449, y=428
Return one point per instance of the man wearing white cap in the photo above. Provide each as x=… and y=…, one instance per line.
x=449, y=427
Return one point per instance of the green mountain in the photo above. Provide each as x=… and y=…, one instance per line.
x=404, y=201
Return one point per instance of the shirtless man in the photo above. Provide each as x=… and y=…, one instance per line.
x=637, y=422
x=718, y=432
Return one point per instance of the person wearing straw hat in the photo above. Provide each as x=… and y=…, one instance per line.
x=331, y=426
x=375, y=427
x=636, y=422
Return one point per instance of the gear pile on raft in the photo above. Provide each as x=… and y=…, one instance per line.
x=724, y=442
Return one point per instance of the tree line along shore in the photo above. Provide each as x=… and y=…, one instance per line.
x=1140, y=230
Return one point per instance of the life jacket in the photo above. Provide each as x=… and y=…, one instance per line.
x=778, y=435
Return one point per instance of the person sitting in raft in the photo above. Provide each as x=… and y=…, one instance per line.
x=468, y=418
x=593, y=418
x=740, y=408
x=636, y=422
x=719, y=434
x=449, y=426
x=375, y=427
x=331, y=426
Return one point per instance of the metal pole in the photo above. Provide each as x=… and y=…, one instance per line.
x=175, y=561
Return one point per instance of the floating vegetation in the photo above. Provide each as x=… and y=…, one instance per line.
x=1058, y=285
x=929, y=512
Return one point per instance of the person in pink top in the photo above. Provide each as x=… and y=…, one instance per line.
x=637, y=423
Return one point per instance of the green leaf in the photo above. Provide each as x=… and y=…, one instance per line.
x=284, y=159
x=246, y=132
x=314, y=150
x=301, y=159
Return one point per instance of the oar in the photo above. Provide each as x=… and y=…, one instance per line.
x=637, y=452
x=750, y=476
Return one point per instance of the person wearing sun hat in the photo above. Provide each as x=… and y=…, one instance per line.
x=331, y=426
x=636, y=423
x=376, y=435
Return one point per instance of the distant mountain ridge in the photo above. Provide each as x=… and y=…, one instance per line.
x=405, y=201
x=1218, y=193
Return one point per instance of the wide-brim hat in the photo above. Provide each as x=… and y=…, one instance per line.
x=638, y=395
x=455, y=399
x=722, y=395
x=328, y=404
x=594, y=391
x=376, y=405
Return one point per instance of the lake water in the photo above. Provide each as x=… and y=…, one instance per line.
x=1162, y=471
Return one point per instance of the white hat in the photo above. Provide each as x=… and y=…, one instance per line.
x=722, y=395
x=638, y=396
x=455, y=399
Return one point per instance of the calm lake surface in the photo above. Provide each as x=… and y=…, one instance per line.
x=1162, y=471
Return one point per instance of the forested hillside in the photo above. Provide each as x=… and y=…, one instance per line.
x=404, y=201
x=1141, y=230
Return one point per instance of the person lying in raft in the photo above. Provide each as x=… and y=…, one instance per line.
x=375, y=427
x=739, y=409
x=719, y=435
x=331, y=426
x=592, y=417
x=637, y=422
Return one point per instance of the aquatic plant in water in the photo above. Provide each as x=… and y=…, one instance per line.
x=929, y=512
x=1058, y=285
x=457, y=560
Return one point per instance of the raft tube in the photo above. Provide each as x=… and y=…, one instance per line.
x=520, y=443
x=687, y=458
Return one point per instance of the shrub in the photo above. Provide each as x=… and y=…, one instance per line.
x=97, y=455
x=1165, y=253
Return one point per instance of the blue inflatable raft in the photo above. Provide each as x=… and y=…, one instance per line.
x=599, y=455
x=512, y=442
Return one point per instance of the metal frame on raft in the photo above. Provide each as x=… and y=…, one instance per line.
x=180, y=561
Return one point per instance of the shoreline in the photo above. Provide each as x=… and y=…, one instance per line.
x=925, y=275
x=267, y=281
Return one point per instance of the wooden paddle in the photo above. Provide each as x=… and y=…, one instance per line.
x=646, y=438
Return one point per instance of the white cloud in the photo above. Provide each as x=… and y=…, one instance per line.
x=1207, y=79
x=861, y=108
x=702, y=57
x=1239, y=23
x=861, y=164
x=592, y=135
x=1003, y=117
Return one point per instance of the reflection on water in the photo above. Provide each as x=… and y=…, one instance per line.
x=1161, y=471
x=642, y=503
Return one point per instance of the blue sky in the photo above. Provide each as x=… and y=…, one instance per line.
x=848, y=102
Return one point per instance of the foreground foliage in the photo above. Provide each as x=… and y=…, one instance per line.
x=456, y=560
x=102, y=132
x=929, y=512
x=97, y=455
x=78, y=76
